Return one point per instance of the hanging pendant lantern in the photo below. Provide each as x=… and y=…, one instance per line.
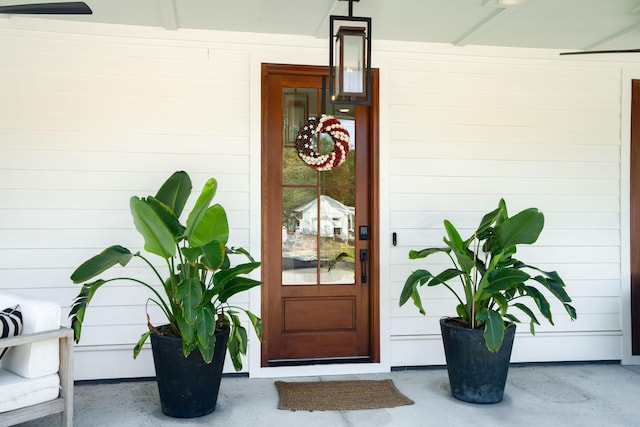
x=350, y=58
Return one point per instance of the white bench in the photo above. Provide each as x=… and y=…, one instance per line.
x=36, y=373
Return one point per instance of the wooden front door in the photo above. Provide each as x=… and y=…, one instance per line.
x=319, y=228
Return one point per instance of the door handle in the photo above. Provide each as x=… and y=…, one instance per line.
x=364, y=258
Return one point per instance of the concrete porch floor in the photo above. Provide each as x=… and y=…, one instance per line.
x=599, y=394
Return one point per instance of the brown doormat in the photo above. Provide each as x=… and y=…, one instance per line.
x=339, y=395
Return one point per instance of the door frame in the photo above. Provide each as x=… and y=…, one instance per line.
x=634, y=220
x=374, y=159
x=628, y=75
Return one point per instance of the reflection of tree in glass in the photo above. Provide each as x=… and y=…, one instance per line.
x=326, y=143
x=293, y=198
x=296, y=172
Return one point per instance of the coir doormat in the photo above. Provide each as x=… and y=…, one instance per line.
x=339, y=395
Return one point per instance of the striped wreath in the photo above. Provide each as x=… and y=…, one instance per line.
x=308, y=147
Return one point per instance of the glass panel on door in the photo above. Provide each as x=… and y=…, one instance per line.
x=318, y=208
x=337, y=237
x=299, y=236
x=299, y=104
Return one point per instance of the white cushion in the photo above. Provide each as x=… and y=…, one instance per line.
x=18, y=392
x=38, y=359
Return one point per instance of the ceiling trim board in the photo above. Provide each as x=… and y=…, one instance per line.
x=322, y=31
x=481, y=27
x=168, y=14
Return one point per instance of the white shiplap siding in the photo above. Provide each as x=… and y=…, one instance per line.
x=466, y=133
x=91, y=114
x=86, y=122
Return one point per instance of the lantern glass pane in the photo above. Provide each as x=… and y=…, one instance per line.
x=353, y=63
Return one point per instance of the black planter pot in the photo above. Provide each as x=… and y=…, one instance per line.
x=475, y=374
x=188, y=386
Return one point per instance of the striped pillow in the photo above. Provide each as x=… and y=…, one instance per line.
x=10, y=324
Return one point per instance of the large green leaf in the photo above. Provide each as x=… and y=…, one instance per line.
x=189, y=346
x=103, y=261
x=175, y=192
x=241, y=332
x=191, y=254
x=238, y=332
x=552, y=281
x=212, y=226
x=493, y=329
x=555, y=284
x=410, y=290
x=557, y=289
x=205, y=331
x=213, y=255
x=256, y=322
x=445, y=276
x=241, y=251
x=190, y=295
x=459, y=247
x=489, y=219
x=138, y=347
x=463, y=312
x=522, y=228
x=206, y=322
x=201, y=206
x=541, y=302
x=158, y=239
x=532, y=316
x=234, y=352
x=80, y=304
x=187, y=331
x=223, y=276
x=455, y=241
x=237, y=285
x=502, y=303
x=167, y=216
x=571, y=310
x=426, y=252
x=504, y=279
x=237, y=341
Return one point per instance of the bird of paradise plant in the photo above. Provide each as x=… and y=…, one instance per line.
x=494, y=283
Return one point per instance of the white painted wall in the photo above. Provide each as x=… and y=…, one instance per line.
x=91, y=114
x=467, y=131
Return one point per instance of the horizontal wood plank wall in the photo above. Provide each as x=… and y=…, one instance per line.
x=88, y=118
x=85, y=123
x=468, y=131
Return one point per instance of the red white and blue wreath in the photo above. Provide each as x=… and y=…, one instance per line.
x=308, y=147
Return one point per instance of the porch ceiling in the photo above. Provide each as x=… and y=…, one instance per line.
x=555, y=24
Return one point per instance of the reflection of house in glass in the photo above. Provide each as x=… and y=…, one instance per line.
x=336, y=219
x=302, y=249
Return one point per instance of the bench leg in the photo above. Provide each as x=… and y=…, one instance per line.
x=66, y=378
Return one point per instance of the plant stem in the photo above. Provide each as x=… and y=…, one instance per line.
x=474, y=281
x=465, y=286
x=162, y=304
